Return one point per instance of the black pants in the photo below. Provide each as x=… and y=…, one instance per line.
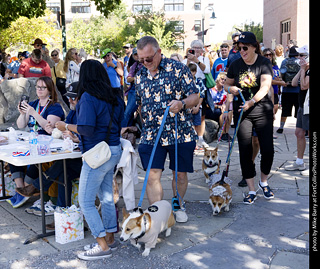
x=260, y=118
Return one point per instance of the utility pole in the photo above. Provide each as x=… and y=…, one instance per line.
x=63, y=24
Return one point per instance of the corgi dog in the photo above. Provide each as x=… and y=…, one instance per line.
x=220, y=191
x=220, y=197
x=145, y=226
x=211, y=163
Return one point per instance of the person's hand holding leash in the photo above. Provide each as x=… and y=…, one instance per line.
x=175, y=106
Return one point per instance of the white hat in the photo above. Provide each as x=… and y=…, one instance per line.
x=303, y=50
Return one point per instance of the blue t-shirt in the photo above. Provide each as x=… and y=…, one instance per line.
x=96, y=114
x=54, y=109
x=276, y=73
x=113, y=75
x=219, y=65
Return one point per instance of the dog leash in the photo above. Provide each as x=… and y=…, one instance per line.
x=152, y=156
x=226, y=170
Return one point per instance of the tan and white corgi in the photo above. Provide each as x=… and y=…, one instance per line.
x=145, y=226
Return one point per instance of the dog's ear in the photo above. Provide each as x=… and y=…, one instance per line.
x=139, y=220
x=216, y=150
x=125, y=213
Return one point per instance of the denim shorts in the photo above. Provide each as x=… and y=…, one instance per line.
x=185, y=156
x=196, y=118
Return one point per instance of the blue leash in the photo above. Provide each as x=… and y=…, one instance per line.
x=153, y=152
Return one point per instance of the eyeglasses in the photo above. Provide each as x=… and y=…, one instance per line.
x=245, y=48
x=41, y=88
x=72, y=98
x=149, y=59
x=54, y=55
x=268, y=55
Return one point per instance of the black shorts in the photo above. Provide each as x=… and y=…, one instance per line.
x=288, y=100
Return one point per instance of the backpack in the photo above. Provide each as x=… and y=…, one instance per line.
x=292, y=69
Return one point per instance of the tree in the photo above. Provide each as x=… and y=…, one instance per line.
x=10, y=10
x=22, y=32
x=106, y=6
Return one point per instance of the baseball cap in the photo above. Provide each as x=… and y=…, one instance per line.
x=247, y=38
x=303, y=50
x=105, y=52
x=134, y=51
x=72, y=90
x=128, y=45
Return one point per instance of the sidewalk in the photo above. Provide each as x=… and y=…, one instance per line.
x=268, y=234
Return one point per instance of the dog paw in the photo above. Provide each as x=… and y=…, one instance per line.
x=146, y=252
x=138, y=246
x=226, y=209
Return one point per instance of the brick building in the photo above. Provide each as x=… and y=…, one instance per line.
x=284, y=20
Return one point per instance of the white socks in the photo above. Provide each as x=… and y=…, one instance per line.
x=299, y=161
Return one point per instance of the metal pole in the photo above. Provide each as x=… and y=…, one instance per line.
x=63, y=24
x=203, y=28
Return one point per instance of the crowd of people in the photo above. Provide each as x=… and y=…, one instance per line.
x=107, y=95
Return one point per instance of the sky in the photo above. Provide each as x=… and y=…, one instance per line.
x=234, y=12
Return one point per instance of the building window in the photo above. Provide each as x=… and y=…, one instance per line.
x=53, y=6
x=174, y=5
x=141, y=5
x=197, y=25
x=179, y=26
x=180, y=45
x=197, y=4
x=286, y=26
x=80, y=7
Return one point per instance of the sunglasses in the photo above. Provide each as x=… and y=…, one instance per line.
x=149, y=59
x=38, y=45
x=72, y=98
x=268, y=55
x=54, y=55
x=244, y=48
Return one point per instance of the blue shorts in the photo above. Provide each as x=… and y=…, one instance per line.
x=185, y=156
x=196, y=118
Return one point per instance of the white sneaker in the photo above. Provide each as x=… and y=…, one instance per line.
x=204, y=144
x=35, y=207
x=295, y=166
x=181, y=216
x=49, y=209
x=95, y=253
x=305, y=173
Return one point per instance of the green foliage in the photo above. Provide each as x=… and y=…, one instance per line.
x=252, y=27
x=22, y=32
x=10, y=10
x=106, y=6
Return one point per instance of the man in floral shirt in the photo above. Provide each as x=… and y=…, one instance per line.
x=163, y=82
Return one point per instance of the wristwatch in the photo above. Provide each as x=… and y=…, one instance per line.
x=183, y=104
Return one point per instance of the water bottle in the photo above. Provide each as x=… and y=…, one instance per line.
x=33, y=144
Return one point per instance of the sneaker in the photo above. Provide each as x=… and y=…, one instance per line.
x=49, y=209
x=249, y=199
x=295, y=166
x=305, y=173
x=204, y=144
x=13, y=199
x=280, y=131
x=20, y=201
x=175, y=204
x=95, y=253
x=112, y=246
x=36, y=206
x=267, y=192
x=181, y=216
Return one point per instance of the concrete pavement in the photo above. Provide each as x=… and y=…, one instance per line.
x=268, y=234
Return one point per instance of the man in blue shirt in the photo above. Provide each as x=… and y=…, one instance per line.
x=220, y=64
x=114, y=68
x=163, y=82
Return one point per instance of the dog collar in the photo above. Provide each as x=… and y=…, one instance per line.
x=144, y=232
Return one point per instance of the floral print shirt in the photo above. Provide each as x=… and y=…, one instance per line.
x=173, y=81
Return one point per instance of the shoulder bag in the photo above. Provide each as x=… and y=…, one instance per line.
x=100, y=153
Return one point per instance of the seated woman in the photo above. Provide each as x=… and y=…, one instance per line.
x=36, y=115
x=219, y=97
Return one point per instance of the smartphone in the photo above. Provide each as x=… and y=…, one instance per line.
x=191, y=51
x=24, y=98
x=44, y=47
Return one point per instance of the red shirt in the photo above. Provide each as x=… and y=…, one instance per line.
x=29, y=68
